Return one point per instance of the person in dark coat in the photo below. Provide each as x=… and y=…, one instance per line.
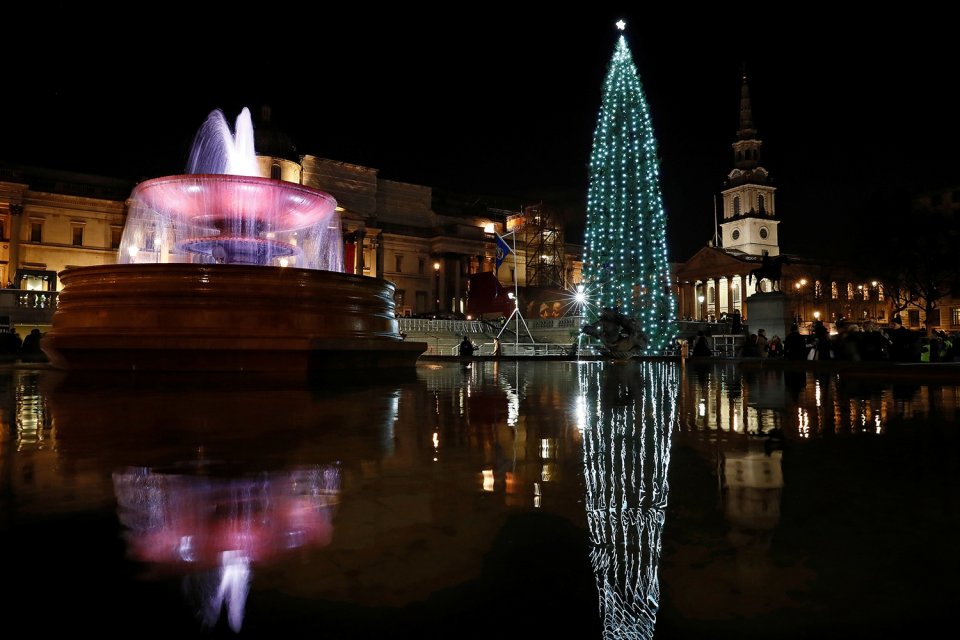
x=795, y=345
x=31, y=344
x=736, y=322
x=874, y=345
x=821, y=337
x=700, y=348
x=901, y=342
x=466, y=347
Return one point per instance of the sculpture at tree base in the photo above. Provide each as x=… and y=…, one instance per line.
x=621, y=335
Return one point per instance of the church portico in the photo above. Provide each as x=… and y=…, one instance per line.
x=720, y=279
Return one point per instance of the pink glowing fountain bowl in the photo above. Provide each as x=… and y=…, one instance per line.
x=231, y=219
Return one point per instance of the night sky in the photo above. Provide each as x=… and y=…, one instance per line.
x=500, y=104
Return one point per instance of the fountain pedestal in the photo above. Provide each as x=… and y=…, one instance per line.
x=178, y=317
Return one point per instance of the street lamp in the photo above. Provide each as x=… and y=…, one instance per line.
x=799, y=286
x=700, y=299
x=436, y=297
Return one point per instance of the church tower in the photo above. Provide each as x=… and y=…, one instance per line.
x=749, y=208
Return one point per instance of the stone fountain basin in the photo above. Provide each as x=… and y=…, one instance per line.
x=176, y=317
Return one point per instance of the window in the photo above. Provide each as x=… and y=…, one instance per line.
x=763, y=232
x=736, y=234
x=933, y=318
x=78, y=236
x=116, y=233
x=421, y=265
x=955, y=316
x=849, y=291
x=513, y=275
x=421, y=301
x=399, y=265
x=817, y=289
x=913, y=317
x=834, y=290
x=761, y=204
x=275, y=171
x=36, y=232
x=736, y=205
x=398, y=297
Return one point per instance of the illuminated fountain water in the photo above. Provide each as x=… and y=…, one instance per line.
x=221, y=269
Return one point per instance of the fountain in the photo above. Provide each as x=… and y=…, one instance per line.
x=220, y=269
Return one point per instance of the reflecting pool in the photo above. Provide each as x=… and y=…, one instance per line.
x=500, y=500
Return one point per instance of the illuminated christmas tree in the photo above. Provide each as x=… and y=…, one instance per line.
x=625, y=253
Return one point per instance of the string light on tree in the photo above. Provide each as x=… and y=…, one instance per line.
x=625, y=243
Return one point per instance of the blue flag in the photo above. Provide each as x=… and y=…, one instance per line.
x=503, y=250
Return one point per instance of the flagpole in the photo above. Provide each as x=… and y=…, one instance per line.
x=716, y=239
x=516, y=300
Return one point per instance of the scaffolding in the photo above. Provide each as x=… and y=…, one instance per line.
x=541, y=235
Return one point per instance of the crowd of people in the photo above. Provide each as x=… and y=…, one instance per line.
x=852, y=341
x=13, y=346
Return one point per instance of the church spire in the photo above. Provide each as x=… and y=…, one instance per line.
x=746, y=150
x=746, y=131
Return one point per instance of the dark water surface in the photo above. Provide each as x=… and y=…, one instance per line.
x=506, y=500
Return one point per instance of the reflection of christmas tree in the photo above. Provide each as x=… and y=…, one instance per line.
x=629, y=414
x=625, y=252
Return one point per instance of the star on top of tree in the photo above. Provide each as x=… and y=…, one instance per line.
x=621, y=25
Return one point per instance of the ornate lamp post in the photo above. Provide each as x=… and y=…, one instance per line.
x=700, y=309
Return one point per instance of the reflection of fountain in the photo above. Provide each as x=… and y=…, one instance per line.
x=211, y=263
x=628, y=418
x=223, y=526
x=217, y=478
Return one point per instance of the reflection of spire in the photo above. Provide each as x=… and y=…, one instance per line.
x=626, y=449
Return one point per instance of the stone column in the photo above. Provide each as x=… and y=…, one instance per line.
x=358, y=254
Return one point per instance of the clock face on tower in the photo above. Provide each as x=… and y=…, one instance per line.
x=763, y=232
x=736, y=234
